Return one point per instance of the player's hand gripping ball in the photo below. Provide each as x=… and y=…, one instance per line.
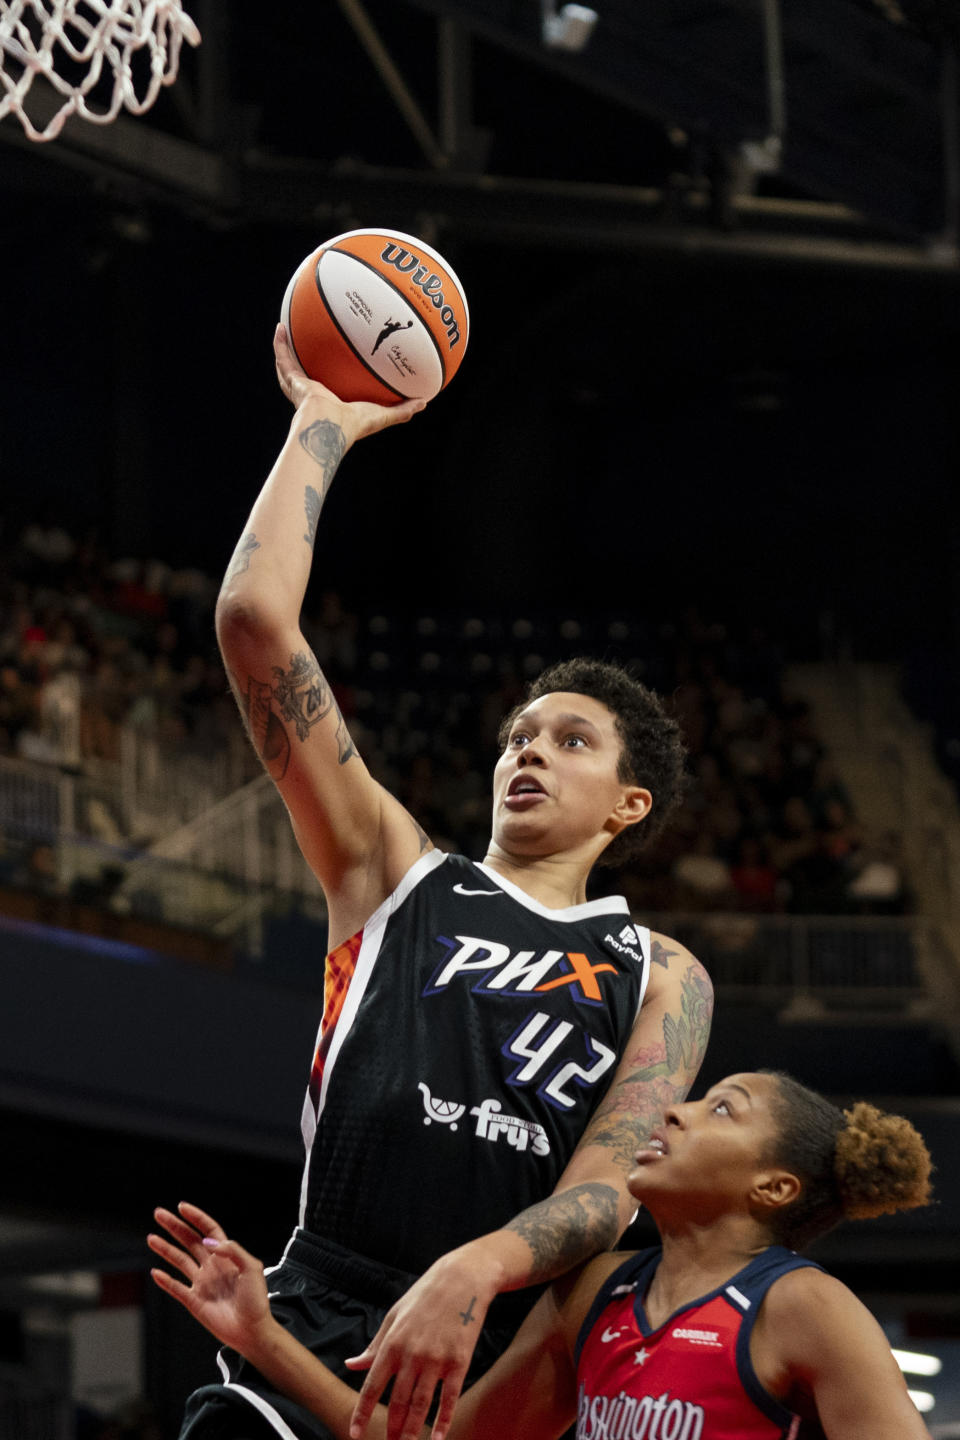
x=377, y=315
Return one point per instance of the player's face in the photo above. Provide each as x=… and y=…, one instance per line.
x=556, y=784
x=705, y=1155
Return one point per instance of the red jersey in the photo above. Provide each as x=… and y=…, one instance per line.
x=691, y=1378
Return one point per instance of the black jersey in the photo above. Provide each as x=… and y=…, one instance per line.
x=469, y=1033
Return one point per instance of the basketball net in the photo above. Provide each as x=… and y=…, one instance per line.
x=111, y=52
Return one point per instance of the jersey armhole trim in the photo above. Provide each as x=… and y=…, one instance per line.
x=770, y=1406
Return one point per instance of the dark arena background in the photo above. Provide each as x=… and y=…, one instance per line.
x=707, y=423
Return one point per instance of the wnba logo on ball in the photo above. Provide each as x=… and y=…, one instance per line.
x=427, y=280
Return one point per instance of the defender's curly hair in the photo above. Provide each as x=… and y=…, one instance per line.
x=852, y=1164
x=652, y=753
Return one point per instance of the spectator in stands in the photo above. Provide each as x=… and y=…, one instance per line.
x=753, y=876
x=702, y=877
x=878, y=886
x=137, y=637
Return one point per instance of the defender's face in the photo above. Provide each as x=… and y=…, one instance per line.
x=710, y=1151
x=556, y=784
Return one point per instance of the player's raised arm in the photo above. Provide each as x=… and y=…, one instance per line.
x=357, y=839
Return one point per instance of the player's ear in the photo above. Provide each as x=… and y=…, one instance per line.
x=634, y=805
x=772, y=1189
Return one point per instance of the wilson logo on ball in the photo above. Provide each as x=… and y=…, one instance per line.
x=377, y=315
x=429, y=282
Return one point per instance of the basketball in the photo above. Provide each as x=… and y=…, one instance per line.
x=377, y=315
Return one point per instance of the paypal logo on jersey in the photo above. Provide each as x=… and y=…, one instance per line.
x=521, y=972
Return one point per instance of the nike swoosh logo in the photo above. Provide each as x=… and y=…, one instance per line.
x=609, y=1335
x=462, y=890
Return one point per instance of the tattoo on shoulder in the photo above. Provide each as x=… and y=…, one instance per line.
x=424, y=838
x=324, y=442
x=240, y=563
x=567, y=1228
x=660, y=955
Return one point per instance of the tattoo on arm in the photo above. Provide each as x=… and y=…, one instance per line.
x=302, y=693
x=303, y=697
x=312, y=503
x=662, y=1072
x=567, y=1228
x=266, y=732
x=324, y=442
x=240, y=563
x=345, y=746
x=686, y=1035
x=660, y=955
x=425, y=841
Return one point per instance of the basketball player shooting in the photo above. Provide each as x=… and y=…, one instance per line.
x=494, y=1047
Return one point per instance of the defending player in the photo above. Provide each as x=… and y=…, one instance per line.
x=493, y=1042
x=723, y=1333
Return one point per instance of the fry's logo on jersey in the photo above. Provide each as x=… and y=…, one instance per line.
x=491, y=1124
x=522, y=973
x=637, y=1417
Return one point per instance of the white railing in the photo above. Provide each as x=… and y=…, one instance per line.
x=849, y=963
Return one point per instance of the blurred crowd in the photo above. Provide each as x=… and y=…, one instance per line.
x=92, y=646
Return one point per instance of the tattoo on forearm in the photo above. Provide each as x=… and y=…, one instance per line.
x=240, y=563
x=567, y=1228
x=662, y=1072
x=324, y=442
x=467, y=1316
x=312, y=503
x=303, y=697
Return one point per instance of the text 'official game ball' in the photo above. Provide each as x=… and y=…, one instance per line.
x=377, y=315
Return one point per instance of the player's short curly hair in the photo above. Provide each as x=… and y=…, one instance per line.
x=852, y=1164
x=652, y=753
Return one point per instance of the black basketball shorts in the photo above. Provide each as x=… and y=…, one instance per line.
x=333, y=1301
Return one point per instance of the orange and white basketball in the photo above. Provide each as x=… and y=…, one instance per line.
x=377, y=315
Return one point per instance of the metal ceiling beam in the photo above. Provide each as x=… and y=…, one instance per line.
x=147, y=165
x=397, y=87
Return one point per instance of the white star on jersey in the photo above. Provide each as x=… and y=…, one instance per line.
x=640, y=1357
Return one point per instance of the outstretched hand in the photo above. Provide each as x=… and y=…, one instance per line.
x=427, y=1339
x=225, y=1289
x=356, y=418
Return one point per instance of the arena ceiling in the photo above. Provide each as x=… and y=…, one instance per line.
x=826, y=126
